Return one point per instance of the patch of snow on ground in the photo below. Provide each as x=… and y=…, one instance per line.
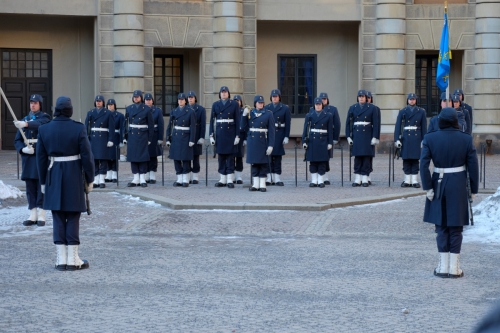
x=9, y=191
x=486, y=228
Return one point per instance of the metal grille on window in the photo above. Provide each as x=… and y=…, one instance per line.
x=25, y=64
x=425, y=84
x=168, y=81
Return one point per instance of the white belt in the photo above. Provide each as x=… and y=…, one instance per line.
x=449, y=170
x=100, y=129
x=280, y=125
x=117, y=131
x=182, y=128
x=225, y=120
x=62, y=159
x=258, y=130
x=32, y=140
x=138, y=126
x=410, y=128
x=359, y=123
x=318, y=130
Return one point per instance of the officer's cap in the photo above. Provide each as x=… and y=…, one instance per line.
x=412, y=96
x=323, y=95
x=362, y=92
x=137, y=93
x=111, y=101
x=458, y=92
x=455, y=98
x=443, y=96
x=448, y=114
x=99, y=98
x=191, y=94
x=63, y=107
x=275, y=92
x=36, y=98
x=368, y=94
x=237, y=98
x=223, y=88
x=258, y=99
x=318, y=100
x=181, y=96
x=148, y=96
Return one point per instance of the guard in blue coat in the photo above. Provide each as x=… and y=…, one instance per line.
x=336, y=129
x=100, y=125
x=29, y=125
x=463, y=115
x=445, y=102
x=155, y=148
x=65, y=163
x=370, y=99
x=238, y=156
x=363, y=133
x=317, y=140
x=139, y=131
x=114, y=154
x=411, y=126
x=453, y=154
x=260, y=141
x=201, y=126
x=225, y=135
x=283, y=118
x=181, y=134
x=466, y=106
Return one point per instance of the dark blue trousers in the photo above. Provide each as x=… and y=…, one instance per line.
x=318, y=167
x=153, y=163
x=276, y=164
x=363, y=165
x=34, y=193
x=448, y=239
x=112, y=165
x=101, y=167
x=196, y=163
x=139, y=167
x=66, y=227
x=410, y=166
x=259, y=170
x=238, y=162
x=182, y=167
x=226, y=164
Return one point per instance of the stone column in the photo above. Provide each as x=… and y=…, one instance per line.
x=128, y=51
x=390, y=69
x=228, y=46
x=487, y=70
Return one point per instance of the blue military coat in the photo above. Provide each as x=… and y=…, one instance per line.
x=258, y=142
x=336, y=123
x=119, y=133
x=282, y=118
x=64, y=181
x=201, y=126
x=34, y=120
x=159, y=129
x=464, y=121
x=179, y=148
x=468, y=108
x=138, y=138
x=100, y=119
x=411, y=138
x=243, y=137
x=448, y=148
x=363, y=134
x=433, y=125
x=317, y=150
x=226, y=131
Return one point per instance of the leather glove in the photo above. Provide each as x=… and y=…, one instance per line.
x=191, y=144
x=329, y=147
x=349, y=140
x=20, y=124
x=269, y=150
x=28, y=150
x=473, y=195
x=201, y=141
x=42, y=188
x=304, y=145
x=110, y=144
x=160, y=142
x=398, y=144
x=285, y=140
x=246, y=112
x=430, y=194
x=124, y=141
x=149, y=142
x=236, y=141
x=90, y=187
x=168, y=143
x=335, y=142
x=212, y=141
x=121, y=145
x=244, y=143
x=374, y=141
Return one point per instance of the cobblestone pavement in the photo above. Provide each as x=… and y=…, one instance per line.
x=153, y=269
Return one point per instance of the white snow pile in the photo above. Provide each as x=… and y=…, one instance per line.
x=486, y=228
x=9, y=191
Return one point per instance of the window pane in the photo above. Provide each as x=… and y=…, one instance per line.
x=6, y=64
x=22, y=73
x=158, y=62
x=45, y=73
x=44, y=56
x=168, y=71
x=158, y=71
x=21, y=56
x=29, y=56
x=177, y=62
x=5, y=56
x=44, y=65
x=29, y=73
x=29, y=64
x=36, y=56
x=168, y=62
x=6, y=73
x=13, y=56
x=13, y=64
x=13, y=73
x=36, y=73
x=36, y=65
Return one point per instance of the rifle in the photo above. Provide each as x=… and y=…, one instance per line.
x=214, y=135
x=306, y=141
x=397, y=151
x=469, y=196
x=86, y=190
x=26, y=142
x=89, y=126
x=351, y=130
x=127, y=125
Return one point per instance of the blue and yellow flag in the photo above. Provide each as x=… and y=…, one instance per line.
x=443, y=67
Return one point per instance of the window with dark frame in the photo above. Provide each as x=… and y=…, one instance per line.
x=297, y=82
x=168, y=81
x=25, y=64
x=425, y=83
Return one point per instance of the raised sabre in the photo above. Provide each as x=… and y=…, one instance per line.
x=14, y=116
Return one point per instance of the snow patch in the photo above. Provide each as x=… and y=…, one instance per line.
x=9, y=191
x=486, y=228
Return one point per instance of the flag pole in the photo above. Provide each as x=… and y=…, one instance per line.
x=448, y=87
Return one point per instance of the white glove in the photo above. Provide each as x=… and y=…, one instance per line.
x=269, y=150
x=110, y=144
x=246, y=112
x=121, y=145
x=236, y=141
x=201, y=141
x=90, y=187
x=191, y=144
x=329, y=147
x=28, y=150
x=20, y=124
x=349, y=140
x=42, y=188
x=285, y=141
x=398, y=144
x=473, y=195
x=168, y=143
x=335, y=142
x=212, y=141
x=304, y=145
x=160, y=142
x=124, y=141
x=374, y=142
x=430, y=194
x=149, y=142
